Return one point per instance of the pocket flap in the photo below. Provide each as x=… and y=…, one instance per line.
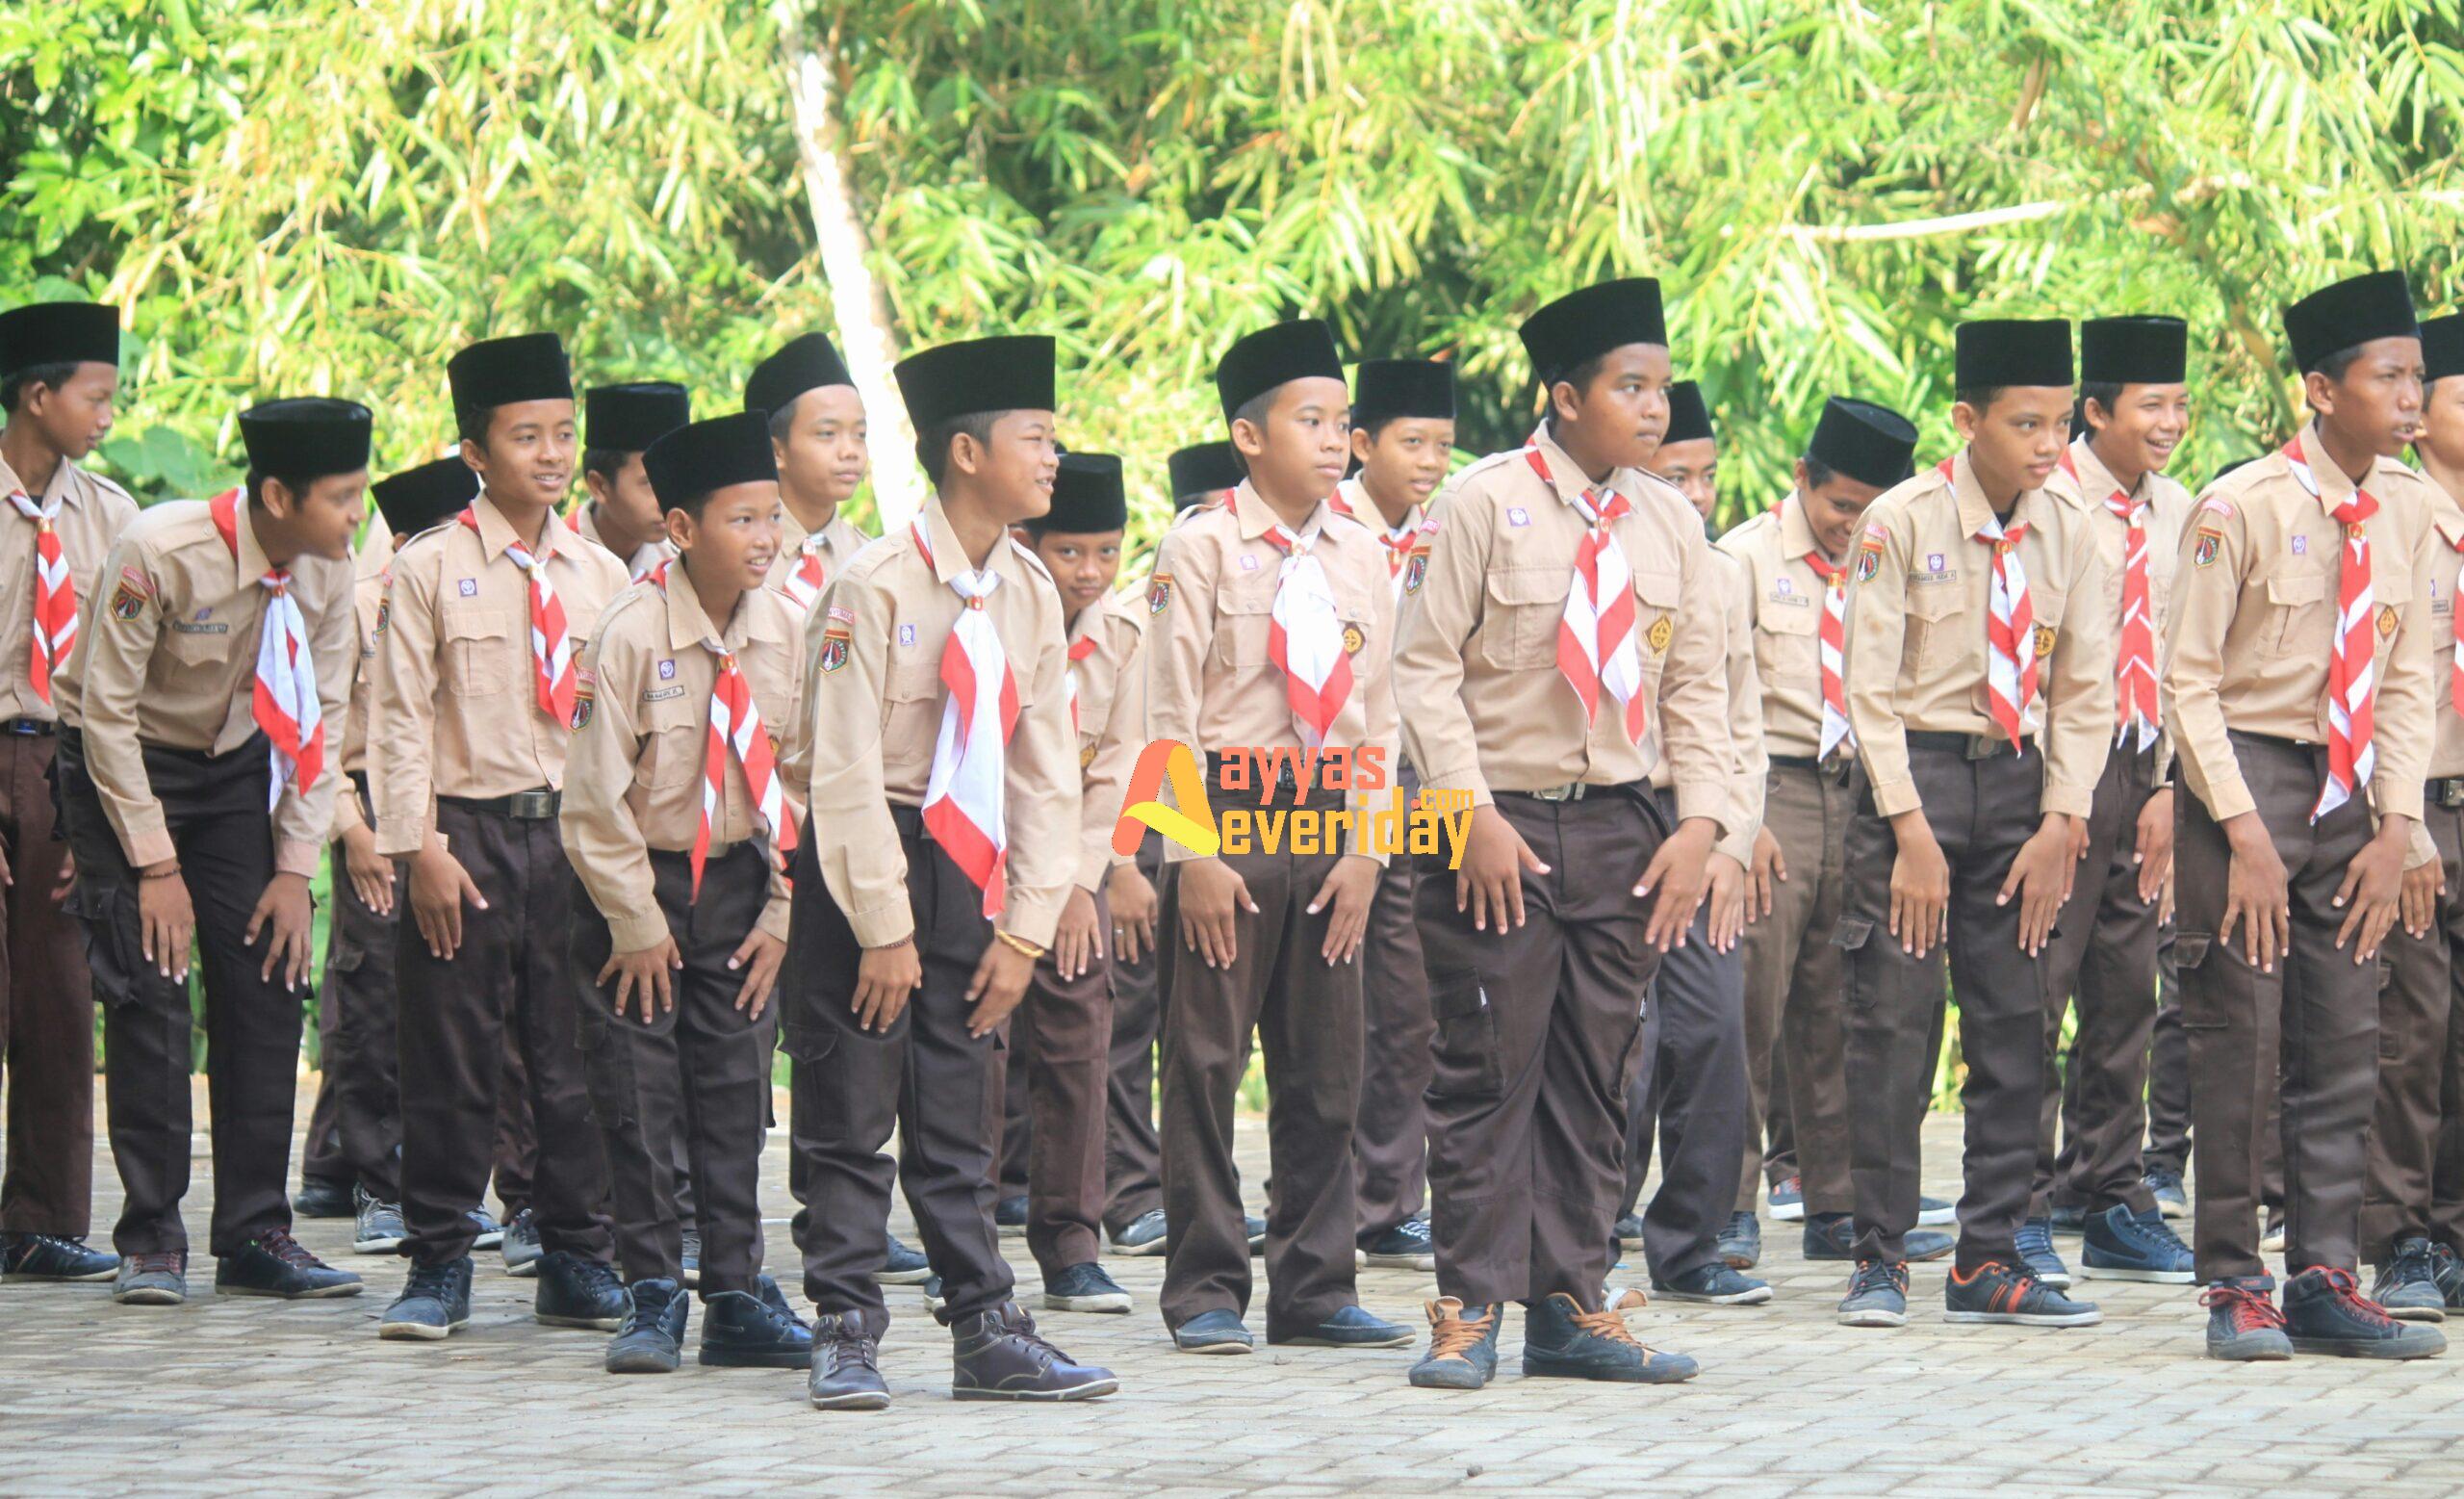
x=1454, y=995
x=1935, y=602
x=809, y=1042
x=2292, y=588
x=1657, y=587
x=1514, y=585
x=2190, y=949
x=473, y=624
x=1238, y=592
x=912, y=682
x=1783, y=619
x=1852, y=933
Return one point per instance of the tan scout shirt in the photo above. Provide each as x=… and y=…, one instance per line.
x=455, y=706
x=372, y=569
x=2253, y=623
x=1916, y=655
x=1209, y=682
x=873, y=712
x=1745, y=714
x=1484, y=707
x=635, y=772
x=639, y=566
x=2446, y=571
x=167, y=654
x=839, y=545
x=1112, y=721
x=1784, y=608
x=2169, y=510
x=93, y=513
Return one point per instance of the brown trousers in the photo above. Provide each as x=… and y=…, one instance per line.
x=214, y=807
x=2104, y=951
x=939, y=1086
x=511, y=974
x=1796, y=1086
x=1057, y=1092
x=1981, y=811
x=361, y=1084
x=1307, y=1018
x=2318, y=1005
x=46, y=1012
x=2413, y=1188
x=1538, y=1029
x=2168, y=1061
x=697, y=1072
x=1133, y=1153
x=1390, y=1138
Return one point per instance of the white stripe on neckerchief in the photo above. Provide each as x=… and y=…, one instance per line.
x=1305, y=635
x=966, y=797
x=284, y=698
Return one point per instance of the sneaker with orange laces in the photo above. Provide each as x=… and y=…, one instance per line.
x=1562, y=1340
x=2010, y=1292
x=2242, y=1324
x=1462, y=1349
x=2325, y=1312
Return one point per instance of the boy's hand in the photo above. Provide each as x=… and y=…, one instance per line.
x=1495, y=861
x=1920, y=886
x=166, y=922
x=2040, y=878
x=760, y=955
x=1000, y=982
x=1078, y=941
x=1132, y=896
x=645, y=974
x=884, y=977
x=1350, y=886
x=1677, y=876
x=1211, y=892
x=1763, y=879
x=1728, y=901
x=2369, y=888
x=438, y=886
x=2255, y=893
x=292, y=912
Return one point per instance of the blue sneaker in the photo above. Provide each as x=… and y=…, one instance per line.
x=2034, y=1243
x=2407, y=1287
x=1740, y=1243
x=1933, y=1212
x=1218, y=1331
x=1713, y=1284
x=1789, y=1200
x=2126, y=1245
x=1877, y=1296
x=2172, y=1199
x=2069, y=1218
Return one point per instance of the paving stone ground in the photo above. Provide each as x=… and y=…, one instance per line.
x=229, y=1395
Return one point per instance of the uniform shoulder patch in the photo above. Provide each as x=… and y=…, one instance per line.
x=2217, y=505
x=837, y=640
x=1869, y=553
x=2046, y=637
x=128, y=599
x=2387, y=621
x=2205, y=546
x=1159, y=593
x=586, y=695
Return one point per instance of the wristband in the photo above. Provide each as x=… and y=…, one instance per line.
x=172, y=873
x=1021, y=944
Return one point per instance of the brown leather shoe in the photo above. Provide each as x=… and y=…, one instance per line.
x=846, y=1365
x=998, y=1355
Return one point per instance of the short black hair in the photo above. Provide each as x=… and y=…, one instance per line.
x=55, y=375
x=1977, y=398
x=1254, y=412
x=2334, y=366
x=1580, y=375
x=606, y=462
x=471, y=423
x=256, y=484
x=933, y=444
x=1817, y=472
x=782, y=422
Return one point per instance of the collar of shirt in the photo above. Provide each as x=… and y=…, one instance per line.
x=689, y=624
x=1567, y=477
x=1365, y=510
x=1975, y=510
x=70, y=493
x=792, y=533
x=495, y=532
x=1796, y=533
x=2334, y=486
x=2446, y=513
x=248, y=563
x=1257, y=517
x=2096, y=482
x=949, y=559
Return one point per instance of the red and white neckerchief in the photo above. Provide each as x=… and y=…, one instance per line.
x=805, y=579
x=284, y=698
x=551, y=652
x=1305, y=635
x=2352, y=670
x=1079, y=650
x=2135, y=704
x=965, y=799
x=1836, y=729
x=2456, y=687
x=2010, y=629
x=1397, y=540
x=55, y=616
x=1598, y=645
x=736, y=731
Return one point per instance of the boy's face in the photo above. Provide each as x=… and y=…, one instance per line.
x=1084, y=563
x=321, y=521
x=2021, y=435
x=1304, y=444
x=76, y=416
x=2443, y=423
x=1408, y=456
x=1623, y=412
x=1015, y=466
x=2146, y=423
x=735, y=538
x=628, y=498
x=1693, y=466
x=1833, y=510
x=529, y=456
x=2378, y=400
x=824, y=456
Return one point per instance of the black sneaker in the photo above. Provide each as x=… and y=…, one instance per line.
x=275, y=1264
x=1143, y=1236
x=2407, y=1286
x=435, y=1300
x=2450, y=1271
x=1256, y=1228
x=575, y=1292
x=2325, y=1312
x=1218, y=1331
x=1010, y=1216
x=1560, y=1340
x=651, y=1340
x=2165, y=1184
x=1740, y=1243
x=319, y=1198
x=2272, y=1237
x=1996, y=1292
x=1462, y=1349
x=1713, y=1284
x=2070, y=1218
x=1405, y=1246
x=2034, y=1243
x=742, y=1331
x=846, y=1365
x=376, y=1227
x=1834, y=1236
x=152, y=1280
x=903, y=1266
x=52, y=1256
x=1877, y=1296
x=2242, y=1324
x=998, y=1354
x=1630, y=1232
x=689, y=1258
x=520, y=1246
x=1350, y=1326
x=1083, y=1288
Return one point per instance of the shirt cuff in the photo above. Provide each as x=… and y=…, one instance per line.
x=885, y=925
x=1738, y=846
x=776, y=917
x=1094, y=867
x=1708, y=800
x=1893, y=797
x=2397, y=799
x=297, y=856
x=2071, y=801
x=149, y=846
x=1460, y=777
x=400, y=837
x=2420, y=850
x=1034, y=921
x=634, y=933
x=2229, y=797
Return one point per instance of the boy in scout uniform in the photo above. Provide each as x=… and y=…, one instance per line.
x=59, y=372
x=1272, y=615
x=818, y=435
x=196, y=796
x=2300, y=691
x=675, y=815
x=477, y=685
x=1981, y=699
x=2134, y=406
x=619, y=425
x=1402, y=437
x=1561, y=636
x=930, y=876
x=1796, y=557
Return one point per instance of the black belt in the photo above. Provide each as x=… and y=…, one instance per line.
x=1583, y=790
x=1795, y=762
x=521, y=805
x=908, y=821
x=30, y=728
x=1975, y=746
x=2444, y=791
x=1285, y=778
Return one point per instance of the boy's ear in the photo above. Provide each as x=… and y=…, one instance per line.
x=1565, y=403
x=679, y=526
x=1248, y=439
x=597, y=486
x=2319, y=392
x=1966, y=418
x=1361, y=443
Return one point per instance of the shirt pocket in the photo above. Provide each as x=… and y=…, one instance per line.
x=675, y=744
x=1788, y=644
x=200, y=647
x=1937, y=629
x=2299, y=619
x=1243, y=617
x=1525, y=606
x=1657, y=592
x=911, y=717
x=477, y=648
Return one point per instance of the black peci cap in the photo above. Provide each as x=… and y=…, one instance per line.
x=1689, y=421
x=1202, y=471
x=630, y=418
x=1994, y=352
x=1011, y=374
x=416, y=499
x=307, y=438
x=692, y=461
x=805, y=363
x=2442, y=347
x=2148, y=351
x=1869, y=443
x=1087, y=496
x=1587, y=324
x=2349, y=313
x=1387, y=390
x=502, y=372
x=1272, y=356
x=45, y=333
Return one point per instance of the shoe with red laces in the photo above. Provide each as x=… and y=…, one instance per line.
x=159, y=1278
x=2325, y=1312
x=273, y=1263
x=2242, y=1324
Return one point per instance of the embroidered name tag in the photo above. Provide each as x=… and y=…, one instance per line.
x=192, y=626
x=662, y=694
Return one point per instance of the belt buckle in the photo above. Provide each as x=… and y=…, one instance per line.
x=2450, y=792
x=1571, y=792
x=531, y=806
x=24, y=728
x=1984, y=746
